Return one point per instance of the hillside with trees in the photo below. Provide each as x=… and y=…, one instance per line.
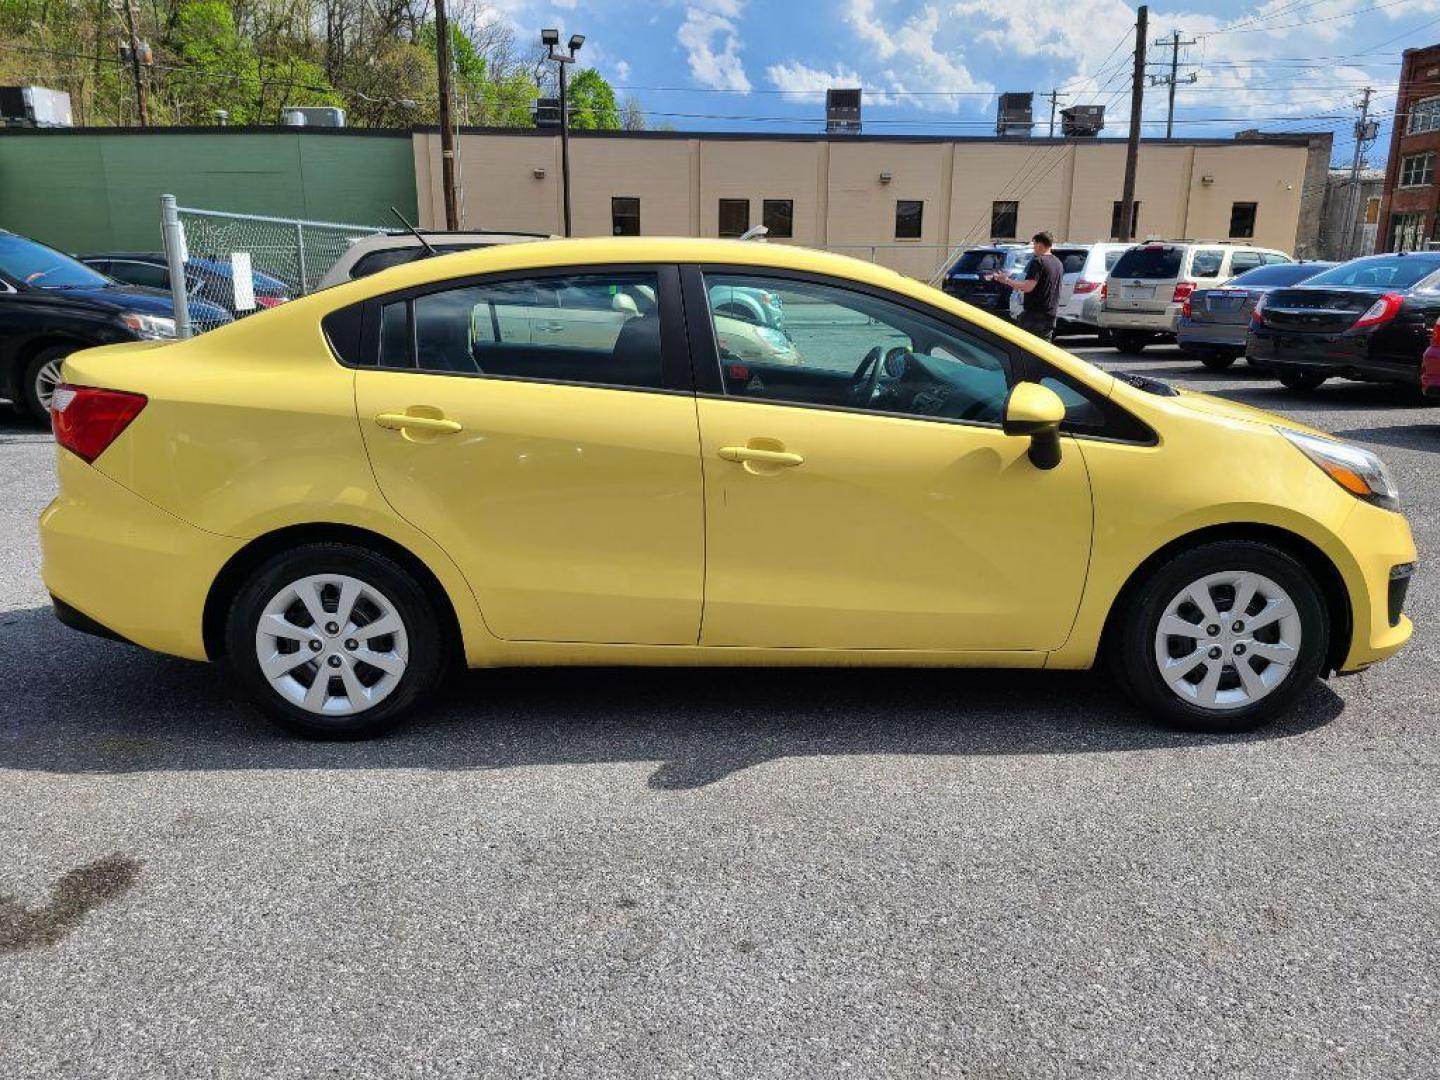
x=254, y=58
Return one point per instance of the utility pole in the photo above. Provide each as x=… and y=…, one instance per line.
x=1173, y=78
x=1365, y=131
x=447, y=130
x=1137, y=105
x=1054, y=97
x=141, y=104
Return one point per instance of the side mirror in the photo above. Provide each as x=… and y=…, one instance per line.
x=1036, y=411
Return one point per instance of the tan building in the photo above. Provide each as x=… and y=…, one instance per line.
x=905, y=201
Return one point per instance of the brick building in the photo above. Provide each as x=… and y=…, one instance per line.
x=1408, y=215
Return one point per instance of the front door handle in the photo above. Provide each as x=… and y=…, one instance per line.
x=782, y=458
x=401, y=421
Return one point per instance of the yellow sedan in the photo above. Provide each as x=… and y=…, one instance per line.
x=557, y=453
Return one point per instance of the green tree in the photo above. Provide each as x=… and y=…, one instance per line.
x=592, y=102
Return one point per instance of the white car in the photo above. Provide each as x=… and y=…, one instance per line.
x=1086, y=268
x=1148, y=287
x=380, y=251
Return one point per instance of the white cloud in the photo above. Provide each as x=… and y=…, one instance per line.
x=622, y=71
x=712, y=44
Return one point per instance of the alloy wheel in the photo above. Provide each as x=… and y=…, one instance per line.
x=1228, y=640
x=47, y=379
x=332, y=644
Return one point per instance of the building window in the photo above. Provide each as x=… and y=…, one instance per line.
x=625, y=215
x=1004, y=220
x=1424, y=116
x=1115, y=221
x=1242, y=220
x=1417, y=170
x=1372, y=210
x=734, y=217
x=909, y=216
x=1407, y=232
x=778, y=217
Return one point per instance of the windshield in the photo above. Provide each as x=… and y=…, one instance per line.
x=1381, y=271
x=978, y=262
x=1277, y=275
x=45, y=268
x=1149, y=262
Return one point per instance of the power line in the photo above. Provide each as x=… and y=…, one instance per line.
x=1242, y=29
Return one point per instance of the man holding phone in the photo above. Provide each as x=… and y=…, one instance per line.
x=1040, y=286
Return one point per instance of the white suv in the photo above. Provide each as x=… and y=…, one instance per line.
x=1147, y=288
x=1086, y=268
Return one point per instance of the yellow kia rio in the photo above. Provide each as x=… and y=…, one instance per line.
x=647, y=451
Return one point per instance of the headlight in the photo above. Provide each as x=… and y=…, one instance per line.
x=149, y=326
x=1358, y=471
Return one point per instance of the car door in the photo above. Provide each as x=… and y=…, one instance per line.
x=559, y=470
x=865, y=497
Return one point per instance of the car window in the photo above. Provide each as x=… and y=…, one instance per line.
x=1241, y=261
x=1206, y=262
x=847, y=349
x=1111, y=258
x=1021, y=261
x=138, y=273
x=1384, y=271
x=978, y=262
x=1272, y=258
x=1072, y=259
x=1151, y=261
x=588, y=328
x=35, y=264
x=375, y=261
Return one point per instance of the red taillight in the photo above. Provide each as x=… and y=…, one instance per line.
x=1104, y=289
x=1185, y=308
x=1257, y=317
x=1088, y=286
x=1383, y=310
x=270, y=301
x=87, y=419
x=1182, y=292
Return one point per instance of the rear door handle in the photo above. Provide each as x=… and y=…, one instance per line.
x=401, y=421
x=742, y=454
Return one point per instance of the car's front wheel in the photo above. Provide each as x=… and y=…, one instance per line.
x=335, y=641
x=1222, y=638
x=39, y=380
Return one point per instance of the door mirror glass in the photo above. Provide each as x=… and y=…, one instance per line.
x=1036, y=411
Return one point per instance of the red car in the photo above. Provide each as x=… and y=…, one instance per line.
x=1430, y=366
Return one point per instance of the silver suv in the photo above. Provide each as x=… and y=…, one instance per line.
x=1143, y=298
x=380, y=251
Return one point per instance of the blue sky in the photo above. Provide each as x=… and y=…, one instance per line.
x=933, y=66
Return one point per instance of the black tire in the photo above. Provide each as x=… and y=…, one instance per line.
x=1300, y=378
x=1132, y=650
x=429, y=649
x=1104, y=337
x=1129, y=341
x=1217, y=361
x=30, y=376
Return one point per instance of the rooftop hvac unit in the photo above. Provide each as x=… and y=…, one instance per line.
x=1082, y=121
x=1016, y=115
x=34, y=106
x=547, y=112
x=315, y=116
x=842, y=112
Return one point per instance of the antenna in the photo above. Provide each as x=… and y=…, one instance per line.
x=416, y=232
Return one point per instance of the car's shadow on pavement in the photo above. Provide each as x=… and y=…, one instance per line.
x=75, y=704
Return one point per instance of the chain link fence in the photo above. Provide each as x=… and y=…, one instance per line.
x=237, y=264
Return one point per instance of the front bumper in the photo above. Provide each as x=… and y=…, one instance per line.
x=1342, y=355
x=1379, y=541
x=127, y=566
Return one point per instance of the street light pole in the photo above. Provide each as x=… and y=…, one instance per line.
x=551, y=39
x=447, y=130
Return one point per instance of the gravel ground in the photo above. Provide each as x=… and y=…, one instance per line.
x=723, y=874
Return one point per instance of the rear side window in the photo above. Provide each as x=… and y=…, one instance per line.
x=1111, y=258
x=601, y=328
x=1242, y=261
x=1206, y=262
x=1150, y=262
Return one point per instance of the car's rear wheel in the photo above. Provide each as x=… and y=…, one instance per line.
x=1300, y=378
x=1223, y=637
x=1130, y=341
x=1217, y=361
x=39, y=380
x=335, y=641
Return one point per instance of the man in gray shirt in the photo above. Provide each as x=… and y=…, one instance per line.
x=1041, y=286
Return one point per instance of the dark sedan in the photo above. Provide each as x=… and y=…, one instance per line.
x=1213, y=322
x=1367, y=319
x=211, y=280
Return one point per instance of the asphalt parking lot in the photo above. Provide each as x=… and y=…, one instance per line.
x=721, y=873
